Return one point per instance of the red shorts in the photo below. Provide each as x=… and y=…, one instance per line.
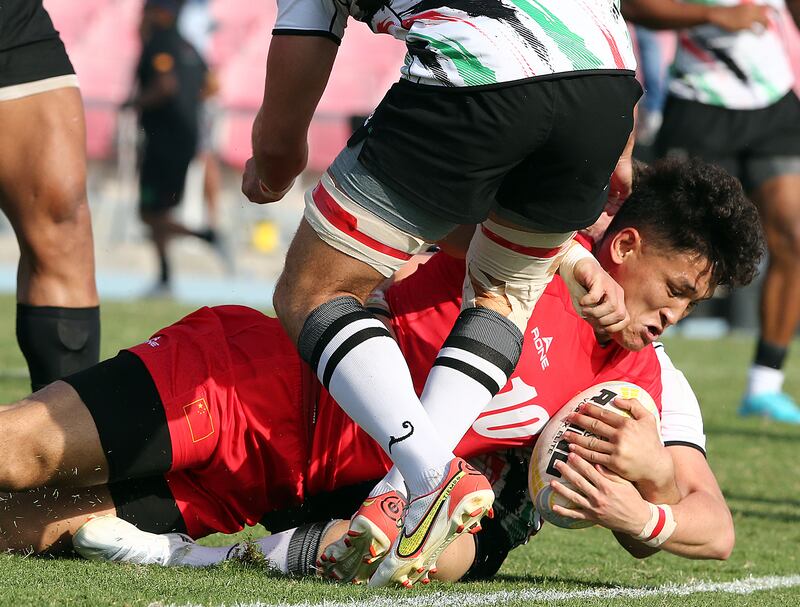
x=232, y=387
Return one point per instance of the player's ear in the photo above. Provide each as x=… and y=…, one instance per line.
x=626, y=242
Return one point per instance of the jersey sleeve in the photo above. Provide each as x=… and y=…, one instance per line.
x=681, y=420
x=326, y=18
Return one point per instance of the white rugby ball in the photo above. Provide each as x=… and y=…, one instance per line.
x=550, y=447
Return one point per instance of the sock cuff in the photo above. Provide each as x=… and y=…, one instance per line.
x=770, y=355
x=342, y=321
x=324, y=322
x=27, y=310
x=301, y=557
x=487, y=334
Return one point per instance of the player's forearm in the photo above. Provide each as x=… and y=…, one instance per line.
x=280, y=157
x=704, y=531
x=705, y=528
x=666, y=14
x=298, y=68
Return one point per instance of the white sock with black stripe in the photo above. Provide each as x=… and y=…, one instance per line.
x=363, y=369
x=473, y=365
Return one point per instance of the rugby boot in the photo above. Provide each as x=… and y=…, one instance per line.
x=432, y=521
x=375, y=525
x=777, y=406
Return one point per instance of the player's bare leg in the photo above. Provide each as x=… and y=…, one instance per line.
x=363, y=368
x=313, y=275
x=43, y=521
x=779, y=202
x=43, y=193
x=50, y=438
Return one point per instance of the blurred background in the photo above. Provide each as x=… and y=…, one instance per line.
x=102, y=38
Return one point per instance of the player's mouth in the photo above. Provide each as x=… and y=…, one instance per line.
x=651, y=333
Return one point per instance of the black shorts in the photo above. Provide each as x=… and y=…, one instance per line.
x=124, y=402
x=752, y=145
x=34, y=62
x=543, y=150
x=164, y=164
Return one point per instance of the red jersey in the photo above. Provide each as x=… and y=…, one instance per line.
x=252, y=430
x=560, y=357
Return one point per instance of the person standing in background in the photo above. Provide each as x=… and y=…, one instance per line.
x=172, y=80
x=731, y=101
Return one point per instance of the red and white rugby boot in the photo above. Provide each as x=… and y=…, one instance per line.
x=434, y=520
x=355, y=556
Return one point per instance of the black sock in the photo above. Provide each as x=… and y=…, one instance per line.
x=163, y=270
x=770, y=355
x=57, y=341
x=207, y=234
x=301, y=557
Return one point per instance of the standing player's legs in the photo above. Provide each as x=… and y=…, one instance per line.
x=43, y=193
x=319, y=297
x=165, y=163
x=778, y=199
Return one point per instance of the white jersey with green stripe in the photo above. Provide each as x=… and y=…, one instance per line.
x=462, y=43
x=743, y=70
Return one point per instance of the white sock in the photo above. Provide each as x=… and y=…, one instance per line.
x=274, y=547
x=764, y=380
x=363, y=369
x=393, y=481
x=466, y=375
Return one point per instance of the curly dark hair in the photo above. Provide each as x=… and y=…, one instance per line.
x=693, y=206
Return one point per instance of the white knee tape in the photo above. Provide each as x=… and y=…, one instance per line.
x=512, y=264
x=351, y=229
x=575, y=252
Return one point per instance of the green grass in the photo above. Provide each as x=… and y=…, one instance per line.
x=755, y=461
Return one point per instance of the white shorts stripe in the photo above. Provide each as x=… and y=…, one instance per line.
x=26, y=89
x=368, y=224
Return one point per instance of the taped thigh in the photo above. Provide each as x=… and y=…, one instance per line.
x=353, y=230
x=513, y=264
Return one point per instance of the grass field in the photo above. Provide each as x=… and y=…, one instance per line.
x=757, y=463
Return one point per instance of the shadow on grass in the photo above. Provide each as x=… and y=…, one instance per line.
x=781, y=433
x=759, y=499
x=548, y=581
x=782, y=517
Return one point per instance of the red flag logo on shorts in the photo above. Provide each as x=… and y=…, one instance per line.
x=198, y=416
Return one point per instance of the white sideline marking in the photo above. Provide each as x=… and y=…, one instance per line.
x=459, y=599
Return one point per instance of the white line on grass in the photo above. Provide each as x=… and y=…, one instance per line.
x=459, y=599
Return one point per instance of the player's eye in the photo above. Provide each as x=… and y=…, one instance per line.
x=673, y=292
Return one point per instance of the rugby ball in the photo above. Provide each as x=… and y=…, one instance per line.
x=550, y=447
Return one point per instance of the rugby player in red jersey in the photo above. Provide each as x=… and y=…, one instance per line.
x=216, y=422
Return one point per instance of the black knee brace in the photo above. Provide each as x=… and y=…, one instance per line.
x=57, y=341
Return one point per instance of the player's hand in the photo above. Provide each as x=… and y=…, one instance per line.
x=621, y=184
x=254, y=188
x=603, y=306
x=740, y=17
x=601, y=497
x=597, y=230
x=628, y=446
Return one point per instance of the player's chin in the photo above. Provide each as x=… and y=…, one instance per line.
x=631, y=338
